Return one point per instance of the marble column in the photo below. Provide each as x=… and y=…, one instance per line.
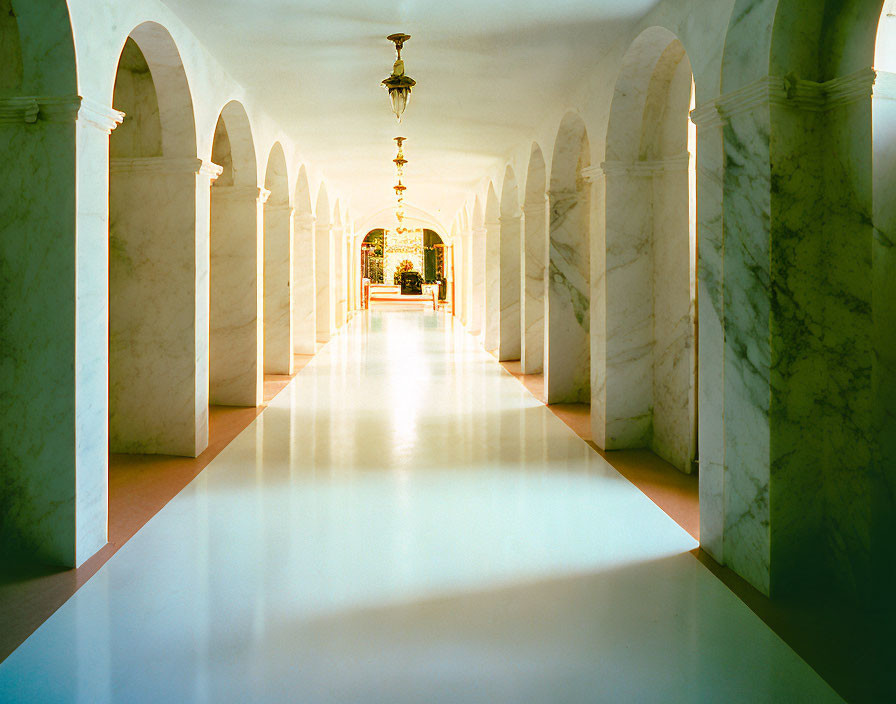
x=492, y=303
x=532, y=295
x=236, y=377
x=53, y=436
x=477, y=274
x=711, y=316
x=467, y=278
x=304, y=285
x=509, y=344
x=339, y=275
x=323, y=271
x=567, y=315
x=883, y=486
x=158, y=314
x=278, y=239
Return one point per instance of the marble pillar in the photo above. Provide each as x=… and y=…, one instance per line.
x=567, y=311
x=532, y=295
x=53, y=336
x=467, y=278
x=278, y=241
x=509, y=343
x=323, y=271
x=883, y=480
x=236, y=376
x=477, y=274
x=339, y=275
x=492, y=303
x=158, y=313
x=711, y=315
x=304, y=286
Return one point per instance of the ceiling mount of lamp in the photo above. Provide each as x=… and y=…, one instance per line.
x=398, y=84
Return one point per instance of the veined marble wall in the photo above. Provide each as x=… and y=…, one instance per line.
x=304, y=285
x=158, y=264
x=567, y=322
x=278, y=241
x=236, y=305
x=533, y=257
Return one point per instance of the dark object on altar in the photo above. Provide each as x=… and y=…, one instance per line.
x=411, y=283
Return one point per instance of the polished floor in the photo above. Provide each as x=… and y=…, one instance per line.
x=406, y=523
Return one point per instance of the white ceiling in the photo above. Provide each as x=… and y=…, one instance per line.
x=488, y=73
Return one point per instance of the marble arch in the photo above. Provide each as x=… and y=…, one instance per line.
x=235, y=244
x=535, y=244
x=509, y=274
x=323, y=267
x=52, y=329
x=304, y=286
x=567, y=365
x=278, y=233
x=646, y=370
x=492, y=300
x=158, y=256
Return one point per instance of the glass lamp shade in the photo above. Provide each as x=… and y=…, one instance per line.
x=400, y=98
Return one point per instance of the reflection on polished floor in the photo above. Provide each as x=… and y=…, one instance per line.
x=406, y=523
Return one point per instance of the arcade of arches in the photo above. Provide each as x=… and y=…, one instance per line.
x=682, y=246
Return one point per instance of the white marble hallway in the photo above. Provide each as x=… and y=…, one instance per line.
x=406, y=523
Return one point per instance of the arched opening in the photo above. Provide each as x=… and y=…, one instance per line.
x=567, y=363
x=650, y=382
x=323, y=267
x=158, y=378
x=434, y=262
x=492, y=319
x=509, y=342
x=372, y=256
x=535, y=219
x=277, y=266
x=235, y=287
x=304, y=286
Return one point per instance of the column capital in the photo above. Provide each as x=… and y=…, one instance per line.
x=32, y=109
x=536, y=209
x=679, y=162
x=791, y=92
x=277, y=207
x=248, y=193
x=510, y=219
x=301, y=218
x=166, y=165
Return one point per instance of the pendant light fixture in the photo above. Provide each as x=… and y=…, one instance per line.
x=398, y=84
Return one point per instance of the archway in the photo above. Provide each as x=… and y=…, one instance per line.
x=434, y=262
x=567, y=364
x=509, y=342
x=535, y=218
x=492, y=310
x=158, y=378
x=372, y=251
x=323, y=267
x=650, y=378
x=235, y=246
x=277, y=266
x=304, y=281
